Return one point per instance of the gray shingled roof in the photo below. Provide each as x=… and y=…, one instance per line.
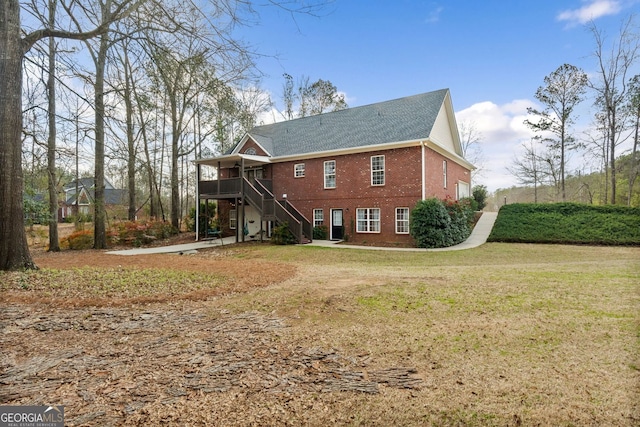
x=404, y=119
x=112, y=196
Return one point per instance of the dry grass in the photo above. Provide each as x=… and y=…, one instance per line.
x=506, y=334
x=500, y=335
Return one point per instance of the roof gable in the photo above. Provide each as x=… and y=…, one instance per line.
x=405, y=119
x=445, y=130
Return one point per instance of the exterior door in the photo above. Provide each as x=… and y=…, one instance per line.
x=337, y=228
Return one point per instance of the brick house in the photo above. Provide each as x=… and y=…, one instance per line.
x=358, y=171
x=79, y=197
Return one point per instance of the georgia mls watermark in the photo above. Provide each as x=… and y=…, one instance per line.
x=32, y=416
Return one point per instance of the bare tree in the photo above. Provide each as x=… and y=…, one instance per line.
x=634, y=111
x=563, y=91
x=470, y=140
x=611, y=85
x=314, y=98
x=530, y=168
x=14, y=252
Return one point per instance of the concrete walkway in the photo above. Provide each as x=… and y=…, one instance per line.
x=478, y=237
x=184, y=248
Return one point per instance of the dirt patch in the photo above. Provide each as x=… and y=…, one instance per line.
x=118, y=360
x=110, y=364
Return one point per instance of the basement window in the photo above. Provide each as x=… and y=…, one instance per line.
x=368, y=220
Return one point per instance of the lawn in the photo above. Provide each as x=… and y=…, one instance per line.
x=505, y=334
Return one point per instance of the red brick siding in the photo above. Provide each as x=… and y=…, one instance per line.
x=403, y=180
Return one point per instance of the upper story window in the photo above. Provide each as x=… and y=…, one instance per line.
x=330, y=174
x=298, y=170
x=250, y=151
x=377, y=170
x=444, y=173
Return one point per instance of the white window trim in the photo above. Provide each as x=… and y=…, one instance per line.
x=463, y=184
x=298, y=170
x=315, y=220
x=378, y=170
x=233, y=223
x=335, y=177
x=444, y=173
x=369, y=221
x=398, y=221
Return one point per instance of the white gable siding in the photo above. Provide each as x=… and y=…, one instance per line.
x=441, y=132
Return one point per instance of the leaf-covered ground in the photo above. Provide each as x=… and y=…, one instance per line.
x=265, y=335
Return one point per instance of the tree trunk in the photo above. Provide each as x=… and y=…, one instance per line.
x=14, y=251
x=99, y=218
x=131, y=152
x=54, y=243
x=612, y=156
x=633, y=168
x=175, y=190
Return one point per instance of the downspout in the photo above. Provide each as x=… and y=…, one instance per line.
x=218, y=177
x=244, y=219
x=220, y=226
x=198, y=202
x=423, y=170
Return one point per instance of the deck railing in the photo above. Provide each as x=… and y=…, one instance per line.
x=259, y=194
x=299, y=225
x=307, y=227
x=222, y=187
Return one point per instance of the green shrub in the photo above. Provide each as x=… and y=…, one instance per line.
x=569, y=223
x=205, y=222
x=35, y=211
x=438, y=224
x=480, y=195
x=321, y=232
x=281, y=235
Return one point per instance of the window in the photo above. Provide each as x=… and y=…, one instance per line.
x=298, y=170
x=330, y=174
x=250, y=151
x=402, y=220
x=444, y=173
x=368, y=220
x=318, y=217
x=463, y=190
x=377, y=170
x=232, y=219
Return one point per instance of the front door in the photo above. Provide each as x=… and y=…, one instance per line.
x=337, y=229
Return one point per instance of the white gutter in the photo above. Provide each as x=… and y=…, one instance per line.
x=424, y=172
x=197, y=202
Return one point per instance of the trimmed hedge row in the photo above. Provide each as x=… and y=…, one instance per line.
x=569, y=223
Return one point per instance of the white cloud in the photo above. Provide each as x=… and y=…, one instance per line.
x=434, y=15
x=591, y=10
x=503, y=132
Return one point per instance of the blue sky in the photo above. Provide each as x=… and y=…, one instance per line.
x=491, y=54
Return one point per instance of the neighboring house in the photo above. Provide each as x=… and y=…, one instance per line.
x=81, y=196
x=358, y=171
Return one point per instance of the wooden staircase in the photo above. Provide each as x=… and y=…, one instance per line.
x=270, y=209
